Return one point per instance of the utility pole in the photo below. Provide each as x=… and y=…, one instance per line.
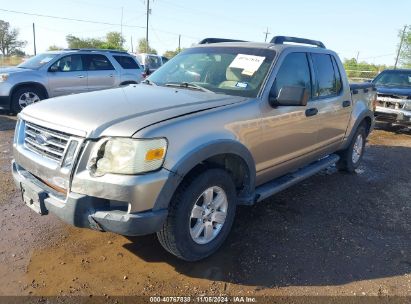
x=121, y=28
x=34, y=39
x=399, y=49
x=148, y=13
x=179, y=43
x=266, y=34
x=358, y=55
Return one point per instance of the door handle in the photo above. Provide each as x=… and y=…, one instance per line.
x=110, y=75
x=311, y=112
x=346, y=103
x=80, y=76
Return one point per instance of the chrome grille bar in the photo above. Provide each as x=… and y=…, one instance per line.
x=46, y=142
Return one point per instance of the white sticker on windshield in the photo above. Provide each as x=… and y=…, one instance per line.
x=46, y=59
x=248, y=63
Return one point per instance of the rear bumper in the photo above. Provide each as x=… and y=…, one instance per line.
x=4, y=103
x=87, y=211
x=397, y=116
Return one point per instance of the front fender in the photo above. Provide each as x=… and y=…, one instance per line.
x=198, y=155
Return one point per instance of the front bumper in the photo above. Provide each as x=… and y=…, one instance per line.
x=86, y=211
x=397, y=116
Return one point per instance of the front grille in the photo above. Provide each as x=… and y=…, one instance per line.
x=48, y=143
x=391, y=101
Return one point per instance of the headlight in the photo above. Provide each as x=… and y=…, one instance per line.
x=128, y=156
x=4, y=77
x=407, y=105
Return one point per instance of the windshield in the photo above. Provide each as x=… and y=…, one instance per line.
x=37, y=62
x=153, y=62
x=226, y=70
x=394, y=78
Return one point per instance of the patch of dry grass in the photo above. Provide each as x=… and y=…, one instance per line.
x=10, y=61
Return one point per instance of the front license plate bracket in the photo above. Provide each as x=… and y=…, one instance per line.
x=34, y=198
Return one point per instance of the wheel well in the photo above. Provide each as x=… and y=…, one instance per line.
x=233, y=164
x=367, y=123
x=36, y=85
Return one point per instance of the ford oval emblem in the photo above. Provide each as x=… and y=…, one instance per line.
x=41, y=139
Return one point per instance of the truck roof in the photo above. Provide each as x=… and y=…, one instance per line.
x=276, y=43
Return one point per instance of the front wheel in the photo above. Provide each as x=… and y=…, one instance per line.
x=201, y=214
x=350, y=158
x=24, y=97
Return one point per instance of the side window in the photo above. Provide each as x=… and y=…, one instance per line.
x=338, y=80
x=294, y=71
x=69, y=63
x=127, y=62
x=96, y=62
x=327, y=83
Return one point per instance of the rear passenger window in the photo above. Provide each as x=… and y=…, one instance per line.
x=127, y=62
x=98, y=62
x=325, y=75
x=295, y=72
x=338, y=81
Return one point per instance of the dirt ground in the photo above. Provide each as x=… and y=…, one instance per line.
x=334, y=234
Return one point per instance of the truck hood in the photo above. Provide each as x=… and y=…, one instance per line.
x=402, y=91
x=121, y=111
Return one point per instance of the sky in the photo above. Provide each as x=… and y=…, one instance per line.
x=367, y=28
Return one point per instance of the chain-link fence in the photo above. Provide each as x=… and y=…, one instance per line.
x=361, y=75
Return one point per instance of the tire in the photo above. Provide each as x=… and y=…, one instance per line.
x=351, y=157
x=179, y=233
x=29, y=94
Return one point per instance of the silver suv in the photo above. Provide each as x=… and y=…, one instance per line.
x=58, y=73
x=218, y=126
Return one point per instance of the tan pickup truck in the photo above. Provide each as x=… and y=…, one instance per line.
x=220, y=125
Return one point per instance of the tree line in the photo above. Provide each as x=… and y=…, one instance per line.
x=10, y=44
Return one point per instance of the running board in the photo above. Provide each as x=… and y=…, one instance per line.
x=283, y=182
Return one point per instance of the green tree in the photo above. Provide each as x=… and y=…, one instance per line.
x=79, y=43
x=405, y=52
x=9, y=42
x=144, y=48
x=54, y=48
x=170, y=54
x=114, y=40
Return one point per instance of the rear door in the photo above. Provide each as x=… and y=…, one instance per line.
x=101, y=73
x=331, y=99
x=67, y=76
x=131, y=71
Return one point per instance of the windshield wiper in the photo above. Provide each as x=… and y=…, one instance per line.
x=149, y=82
x=188, y=85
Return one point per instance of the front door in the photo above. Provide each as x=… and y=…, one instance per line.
x=289, y=132
x=67, y=76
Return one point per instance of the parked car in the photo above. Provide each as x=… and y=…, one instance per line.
x=218, y=126
x=394, y=97
x=150, y=62
x=65, y=72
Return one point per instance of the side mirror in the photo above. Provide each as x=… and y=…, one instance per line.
x=290, y=96
x=54, y=68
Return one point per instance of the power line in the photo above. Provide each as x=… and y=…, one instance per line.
x=91, y=21
x=69, y=19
